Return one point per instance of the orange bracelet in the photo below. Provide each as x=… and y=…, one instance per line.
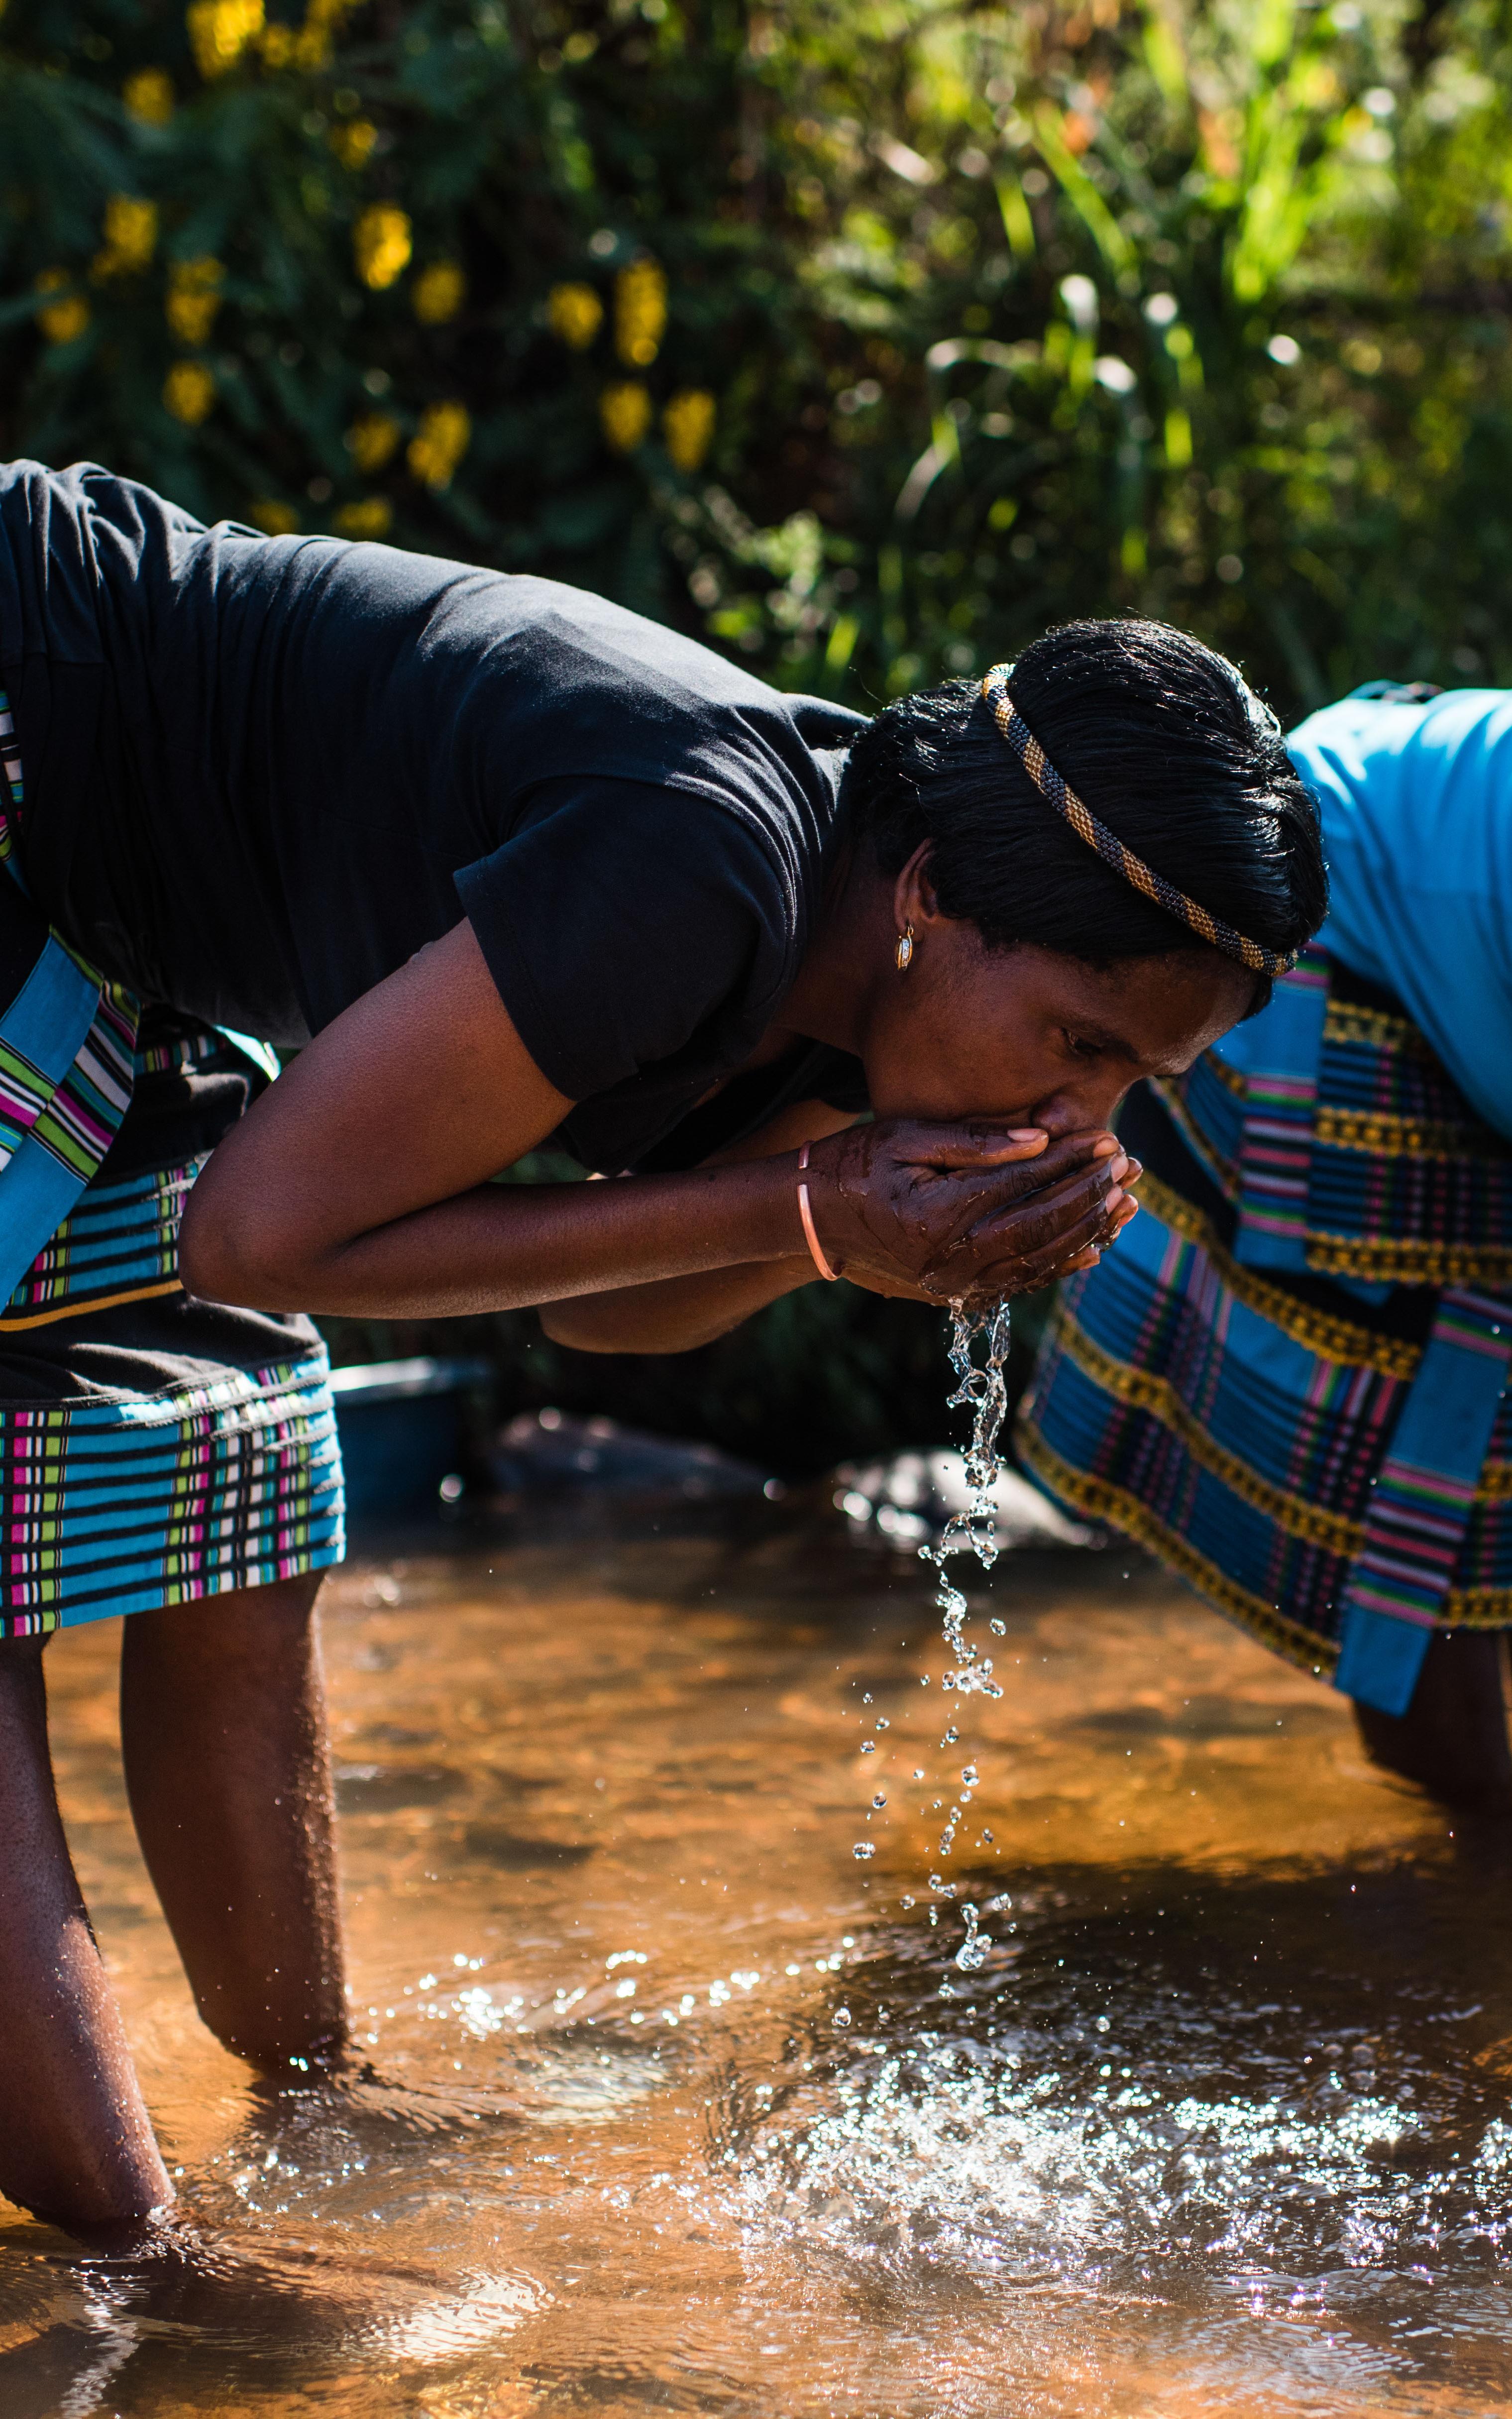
x=810, y=1237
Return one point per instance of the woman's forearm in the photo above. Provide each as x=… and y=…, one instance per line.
x=675, y=1316
x=681, y=1312
x=498, y=1247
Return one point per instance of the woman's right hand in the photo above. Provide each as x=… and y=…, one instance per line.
x=970, y=1212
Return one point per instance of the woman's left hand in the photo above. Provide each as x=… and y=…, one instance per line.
x=893, y=1289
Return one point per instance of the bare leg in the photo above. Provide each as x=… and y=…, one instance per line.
x=1453, y=1737
x=228, y=1771
x=75, y=2139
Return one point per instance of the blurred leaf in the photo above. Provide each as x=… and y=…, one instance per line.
x=1080, y=192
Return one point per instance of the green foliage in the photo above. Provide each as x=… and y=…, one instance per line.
x=974, y=318
x=866, y=336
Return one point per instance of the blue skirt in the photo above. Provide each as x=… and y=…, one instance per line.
x=1289, y=1377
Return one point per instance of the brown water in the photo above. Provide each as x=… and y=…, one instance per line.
x=674, y=2105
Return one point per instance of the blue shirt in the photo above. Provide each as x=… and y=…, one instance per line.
x=1416, y=805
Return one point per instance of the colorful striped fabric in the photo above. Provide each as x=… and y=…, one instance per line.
x=1380, y=1170
x=1424, y=1497
x=1280, y=1106
x=14, y=786
x=110, y=1506
x=119, y=1245
x=116, y=1499
x=1242, y=1431
x=67, y=1045
x=1326, y=1454
x=75, y=1119
x=1419, y=1504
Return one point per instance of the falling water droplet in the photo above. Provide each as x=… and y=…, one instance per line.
x=863, y=1849
x=982, y=1391
x=880, y=1800
x=840, y=2018
x=973, y=1949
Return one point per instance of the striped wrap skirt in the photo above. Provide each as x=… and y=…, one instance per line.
x=1290, y=1379
x=153, y=1448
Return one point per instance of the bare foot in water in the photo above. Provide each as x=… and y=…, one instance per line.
x=1453, y=1737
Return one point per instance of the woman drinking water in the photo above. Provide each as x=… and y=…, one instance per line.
x=504, y=864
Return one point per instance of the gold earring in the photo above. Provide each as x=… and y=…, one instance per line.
x=906, y=950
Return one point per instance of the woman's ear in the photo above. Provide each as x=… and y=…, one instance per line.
x=914, y=900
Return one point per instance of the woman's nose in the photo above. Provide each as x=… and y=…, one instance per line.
x=1080, y=1108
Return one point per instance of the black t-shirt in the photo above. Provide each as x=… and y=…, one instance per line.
x=262, y=772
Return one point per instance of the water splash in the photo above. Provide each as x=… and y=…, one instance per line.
x=981, y=1390
x=973, y=1949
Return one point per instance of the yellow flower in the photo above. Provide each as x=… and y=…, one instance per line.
x=278, y=46
x=148, y=96
x=353, y=143
x=687, y=424
x=60, y=322
x=193, y=298
x=625, y=411
x=639, y=313
x=189, y=392
x=220, y=31
x=279, y=520
x=372, y=518
x=444, y=437
x=382, y=241
x=131, y=235
x=371, y=441
x=312, y=46
x=576, y=314
x=440, y=293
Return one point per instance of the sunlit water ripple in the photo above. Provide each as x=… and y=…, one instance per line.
x=664, y=2104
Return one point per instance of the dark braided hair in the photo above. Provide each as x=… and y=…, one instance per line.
x=1168, y=747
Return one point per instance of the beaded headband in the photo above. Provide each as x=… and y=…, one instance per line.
x=1107, y=844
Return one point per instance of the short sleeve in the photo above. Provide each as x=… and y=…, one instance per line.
x=1419, y=846
x=621, y=918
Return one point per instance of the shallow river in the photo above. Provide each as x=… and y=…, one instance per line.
x=674, y=2104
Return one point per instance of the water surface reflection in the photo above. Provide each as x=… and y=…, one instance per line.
x=671, y=2105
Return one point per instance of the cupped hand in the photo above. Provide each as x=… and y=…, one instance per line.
x=970, y=1212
